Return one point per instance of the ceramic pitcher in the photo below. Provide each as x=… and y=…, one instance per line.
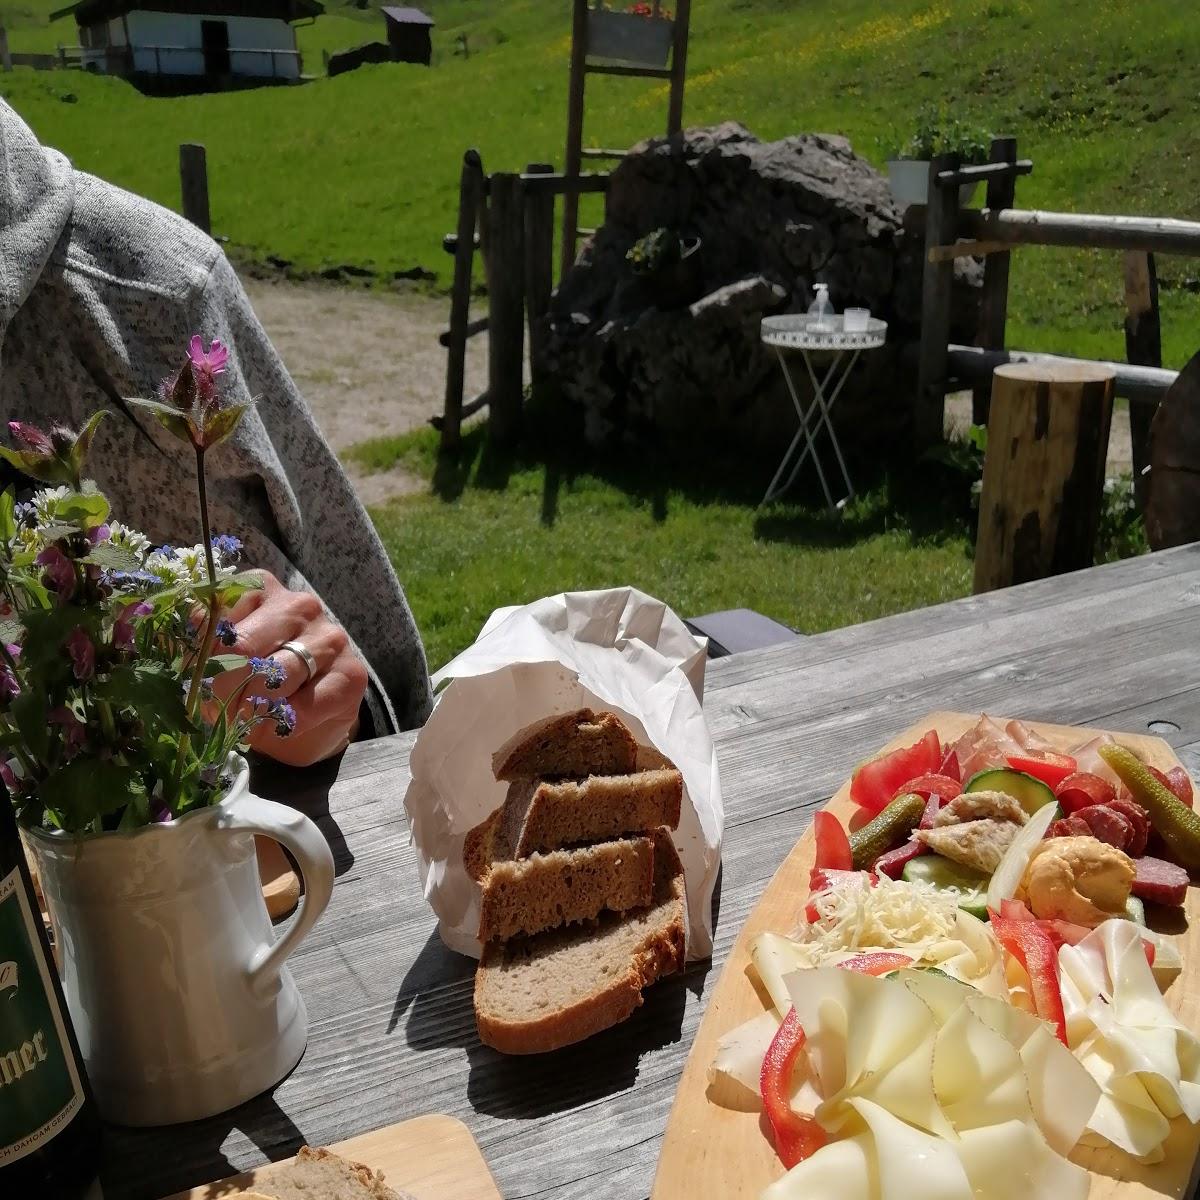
x=176, y=985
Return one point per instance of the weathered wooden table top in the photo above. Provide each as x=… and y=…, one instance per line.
x=393, y=1034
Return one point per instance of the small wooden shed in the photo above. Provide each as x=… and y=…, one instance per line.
x=409, y=33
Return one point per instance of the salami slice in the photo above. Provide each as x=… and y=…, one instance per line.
x=1083, y=789
x=1108, y=825
x=892, y=863
x=1160, y=881
x=1139, y=819
x=1069, y=827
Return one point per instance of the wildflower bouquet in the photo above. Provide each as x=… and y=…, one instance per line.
x=109, y=646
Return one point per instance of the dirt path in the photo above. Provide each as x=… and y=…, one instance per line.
x=368, y=364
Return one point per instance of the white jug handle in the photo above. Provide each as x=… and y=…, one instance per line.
x=294, y=831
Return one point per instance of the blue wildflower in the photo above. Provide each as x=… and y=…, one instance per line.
x=165, y=550
x=228, y=547
x=284, y=716
x=26, y=515
x=226, y=633
x=271, y=670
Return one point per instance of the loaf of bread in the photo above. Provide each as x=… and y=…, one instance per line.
x=322, y=1175
x=540, y=814
x=576, y=744
x=541, y=993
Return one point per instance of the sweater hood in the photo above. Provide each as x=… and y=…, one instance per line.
x=37, y=197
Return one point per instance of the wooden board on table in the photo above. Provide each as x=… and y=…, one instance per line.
x=431, y=1158
x=714, y=1153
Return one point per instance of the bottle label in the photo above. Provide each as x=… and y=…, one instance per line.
x=40, y=1090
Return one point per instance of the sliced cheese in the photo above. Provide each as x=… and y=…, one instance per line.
x=734, y=1073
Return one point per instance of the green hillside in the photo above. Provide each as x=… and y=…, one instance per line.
x=362, y=169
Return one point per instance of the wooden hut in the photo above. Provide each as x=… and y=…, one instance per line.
x=409, y=33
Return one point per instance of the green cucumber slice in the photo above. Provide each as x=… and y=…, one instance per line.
x=1030, y=793
x=943, y=873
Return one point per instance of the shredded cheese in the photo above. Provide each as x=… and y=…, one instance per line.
x=894, y=914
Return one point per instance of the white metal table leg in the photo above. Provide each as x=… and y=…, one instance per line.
x=805, y=429
x=819, y=390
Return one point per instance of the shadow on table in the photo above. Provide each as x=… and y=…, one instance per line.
x=261, y=1120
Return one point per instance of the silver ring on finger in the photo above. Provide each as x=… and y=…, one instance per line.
x=302, y=652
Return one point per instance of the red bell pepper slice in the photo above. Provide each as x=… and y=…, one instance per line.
x=878, y=962
x=833, y=844
x=1034, y=949
x=874, y=785
x=941, y=786
x=795, y=1135
x=1047, y=765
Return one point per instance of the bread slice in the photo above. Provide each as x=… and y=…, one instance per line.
x=538, y=994
x=577, y=744
x=544, y=815
x=322, y=1175
x=564, y=887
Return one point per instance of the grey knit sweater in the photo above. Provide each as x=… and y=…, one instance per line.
x=99, y=292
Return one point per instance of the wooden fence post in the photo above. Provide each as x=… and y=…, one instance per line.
x=574, y=156
x=5, y=54
x=539, y=269
x=470, y=194
x=941, y=217
x=193, y=185
x=506, y=308
x=679, y=52
x=1043, y=477
x=993, y=304
x=1143, y=347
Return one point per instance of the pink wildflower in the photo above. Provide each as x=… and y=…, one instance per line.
x=122, y=634
x=59, y=575
x=82, y=652
x=8, y=778
x=74, y=730
x=207, y=362
x=31, y=437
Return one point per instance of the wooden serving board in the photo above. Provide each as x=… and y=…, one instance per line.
x=714, y=1153
x=432, y=1158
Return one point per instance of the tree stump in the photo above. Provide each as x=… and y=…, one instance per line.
x=1043, y=476
x=1173, y=485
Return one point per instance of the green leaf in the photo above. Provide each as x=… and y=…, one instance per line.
x=171, y=419
x=88, y=509
x=29, y=712
x=88, y=788
x=227, y=592
x=218, y=664
x=45, y=468
x=220, y=426
x=46, y=631
x=113, y=557
x=8, y=518
x=151, y=689
x=83, y=441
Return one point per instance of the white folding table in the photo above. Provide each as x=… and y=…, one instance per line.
x=798, y=332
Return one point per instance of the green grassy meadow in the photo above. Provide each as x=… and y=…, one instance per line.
x=362, y=169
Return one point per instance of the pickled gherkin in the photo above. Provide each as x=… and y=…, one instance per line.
x=1178, y=825
x=888, y=829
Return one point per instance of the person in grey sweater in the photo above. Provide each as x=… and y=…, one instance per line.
x=100, y=292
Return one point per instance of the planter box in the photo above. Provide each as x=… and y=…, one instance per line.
x=909, y=179
x=629, y=39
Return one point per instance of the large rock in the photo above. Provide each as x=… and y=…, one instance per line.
x=774, y=219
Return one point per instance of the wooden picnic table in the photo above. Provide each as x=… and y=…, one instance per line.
x=393, y=1034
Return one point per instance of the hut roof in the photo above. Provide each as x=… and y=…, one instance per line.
x=407, y=16
x=88, y=12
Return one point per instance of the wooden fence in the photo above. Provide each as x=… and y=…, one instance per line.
x=993, y=233
x=510, y=220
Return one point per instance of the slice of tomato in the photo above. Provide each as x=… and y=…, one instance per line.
x=833, y=844
x=942, y=786
x=875, y=783
x=1047, y=765
x=1083, y=789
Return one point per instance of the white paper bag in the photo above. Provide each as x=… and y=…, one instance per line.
x=618, y=650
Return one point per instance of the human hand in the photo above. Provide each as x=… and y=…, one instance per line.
x=327, y=703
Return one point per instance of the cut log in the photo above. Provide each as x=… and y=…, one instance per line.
x=1173, y=484
x=1043, y=477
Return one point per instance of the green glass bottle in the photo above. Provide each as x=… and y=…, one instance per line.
x=49, y=1129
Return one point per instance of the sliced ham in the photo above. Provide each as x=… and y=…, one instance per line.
x=1026, y=738
x=1108, y=825
x=1087, y=758
x=985, y=744
x=1160, y=881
